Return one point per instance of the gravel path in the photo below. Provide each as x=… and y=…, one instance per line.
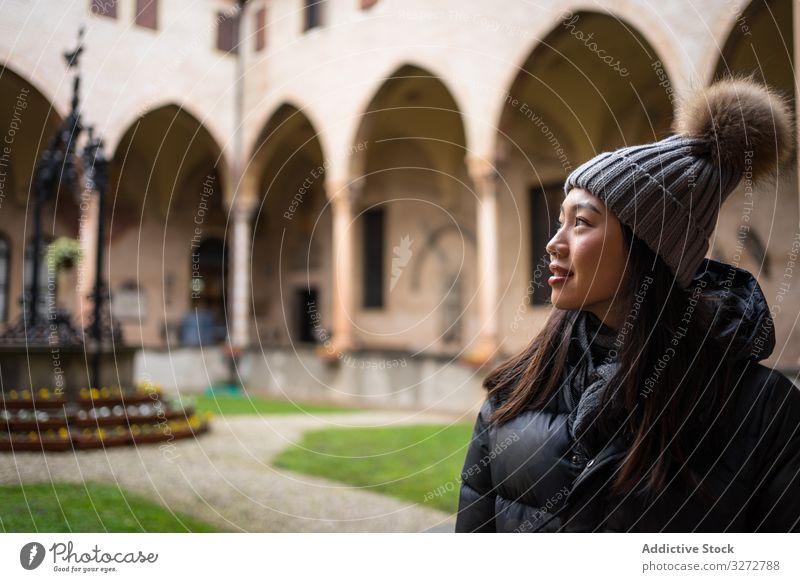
x=224, y=477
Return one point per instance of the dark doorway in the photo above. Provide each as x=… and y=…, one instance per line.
x=208, y=273
x=374, y=222
x=307, y=314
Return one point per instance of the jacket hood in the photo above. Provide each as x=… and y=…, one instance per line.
x=743, y=324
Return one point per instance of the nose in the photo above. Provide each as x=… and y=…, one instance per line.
x=556, y=246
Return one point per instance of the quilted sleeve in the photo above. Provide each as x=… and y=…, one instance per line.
x=776, y=506
x=476, y=501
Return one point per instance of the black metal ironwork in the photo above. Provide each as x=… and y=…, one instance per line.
x=61, y=170
x=102, y=326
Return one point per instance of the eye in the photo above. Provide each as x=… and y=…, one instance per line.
x=577, y=218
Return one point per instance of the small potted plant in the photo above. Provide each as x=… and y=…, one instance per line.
x=63, y=253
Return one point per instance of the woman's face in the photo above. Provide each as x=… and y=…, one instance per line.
x=589, y=245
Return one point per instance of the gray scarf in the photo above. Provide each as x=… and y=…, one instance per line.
x=592, y=365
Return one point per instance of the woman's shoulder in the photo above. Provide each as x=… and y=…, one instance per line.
x=760, y=382
x=766, y=398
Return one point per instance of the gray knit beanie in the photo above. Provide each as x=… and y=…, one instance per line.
x=670, y=192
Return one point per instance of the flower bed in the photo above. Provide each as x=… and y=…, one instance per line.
x=98, y=418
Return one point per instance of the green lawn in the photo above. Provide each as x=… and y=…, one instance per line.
x=225, y=404
x=418, y=463
x=93, y=507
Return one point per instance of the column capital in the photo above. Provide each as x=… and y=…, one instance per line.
x=346, y=191
x=242, y=207
x=482, y=171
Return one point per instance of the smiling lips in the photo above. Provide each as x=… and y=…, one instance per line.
x=560, y=274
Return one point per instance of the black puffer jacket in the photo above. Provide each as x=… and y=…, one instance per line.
x=526, y=475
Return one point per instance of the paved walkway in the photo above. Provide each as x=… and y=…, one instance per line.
x=225, y=478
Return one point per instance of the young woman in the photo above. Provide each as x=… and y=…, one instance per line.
x=641, y=405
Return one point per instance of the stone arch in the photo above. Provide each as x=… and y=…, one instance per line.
x=150, y=104
x=32, y=120
x=175, y=139
x=14, y=62
x=410, y=146
x=291, y=227
x=760, y=43
x=604, y=54
x=385, y=97
x=167, y=194
x=266, y=121
x=285, y=119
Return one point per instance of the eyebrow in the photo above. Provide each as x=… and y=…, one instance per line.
x=585, y=205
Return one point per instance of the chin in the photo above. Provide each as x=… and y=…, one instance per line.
x=563, y=302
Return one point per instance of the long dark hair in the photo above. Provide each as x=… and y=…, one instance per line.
x=670, y=405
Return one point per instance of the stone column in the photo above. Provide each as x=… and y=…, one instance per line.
x=343, y=197
x=484, y=177
x=240, y=307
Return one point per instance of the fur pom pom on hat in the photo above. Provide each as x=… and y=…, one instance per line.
x=737, y=118
x=669, y=192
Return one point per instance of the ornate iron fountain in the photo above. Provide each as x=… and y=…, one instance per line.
x=53, y=392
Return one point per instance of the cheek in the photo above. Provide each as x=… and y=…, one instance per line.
x=599, y=262
x=614, y=256
x=589, y=255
